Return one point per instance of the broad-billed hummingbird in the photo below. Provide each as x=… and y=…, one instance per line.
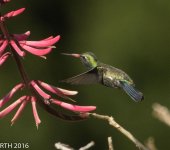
x=104, y=74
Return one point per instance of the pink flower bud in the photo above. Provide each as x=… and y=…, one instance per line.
x=34, y=110
x=11, y=93
x=13, y=13
x=73, y=107
x=7, y=110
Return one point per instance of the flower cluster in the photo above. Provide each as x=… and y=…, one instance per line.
x=38, y=85
x=19, y=41
x=40, y=92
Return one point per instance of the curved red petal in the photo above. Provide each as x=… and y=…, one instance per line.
x=56, y=90
x=6, y=98
x=34, y=110
x=14, y=13
x=19, y=111
x=7, y=110
x=36, y=51
x=43, y=43
x=73, y=107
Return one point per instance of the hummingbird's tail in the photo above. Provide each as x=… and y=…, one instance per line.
x=132, y=92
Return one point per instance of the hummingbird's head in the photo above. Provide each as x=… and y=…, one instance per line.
x=88, y=59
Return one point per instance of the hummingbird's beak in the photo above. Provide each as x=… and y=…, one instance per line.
x=74, y=55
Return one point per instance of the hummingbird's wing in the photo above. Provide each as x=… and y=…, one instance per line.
x=89, y=77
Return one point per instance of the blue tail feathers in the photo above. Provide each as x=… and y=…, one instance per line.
x=132, y=92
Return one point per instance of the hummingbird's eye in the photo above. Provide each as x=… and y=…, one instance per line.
x=84, y=57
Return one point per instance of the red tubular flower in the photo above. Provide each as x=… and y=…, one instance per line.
x=12, y=14
x=44, y=96
x=39, y=48
x=36, y=51
x=6, y=98
x=7, y=110
x=19, y=111
x=34, y=110
x=43, y=43
x=55, y=90
x=71, y=107
x=60, y=93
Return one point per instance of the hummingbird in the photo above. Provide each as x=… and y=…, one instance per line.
x=104, y=74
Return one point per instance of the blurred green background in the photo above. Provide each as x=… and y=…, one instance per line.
x=131, y=35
